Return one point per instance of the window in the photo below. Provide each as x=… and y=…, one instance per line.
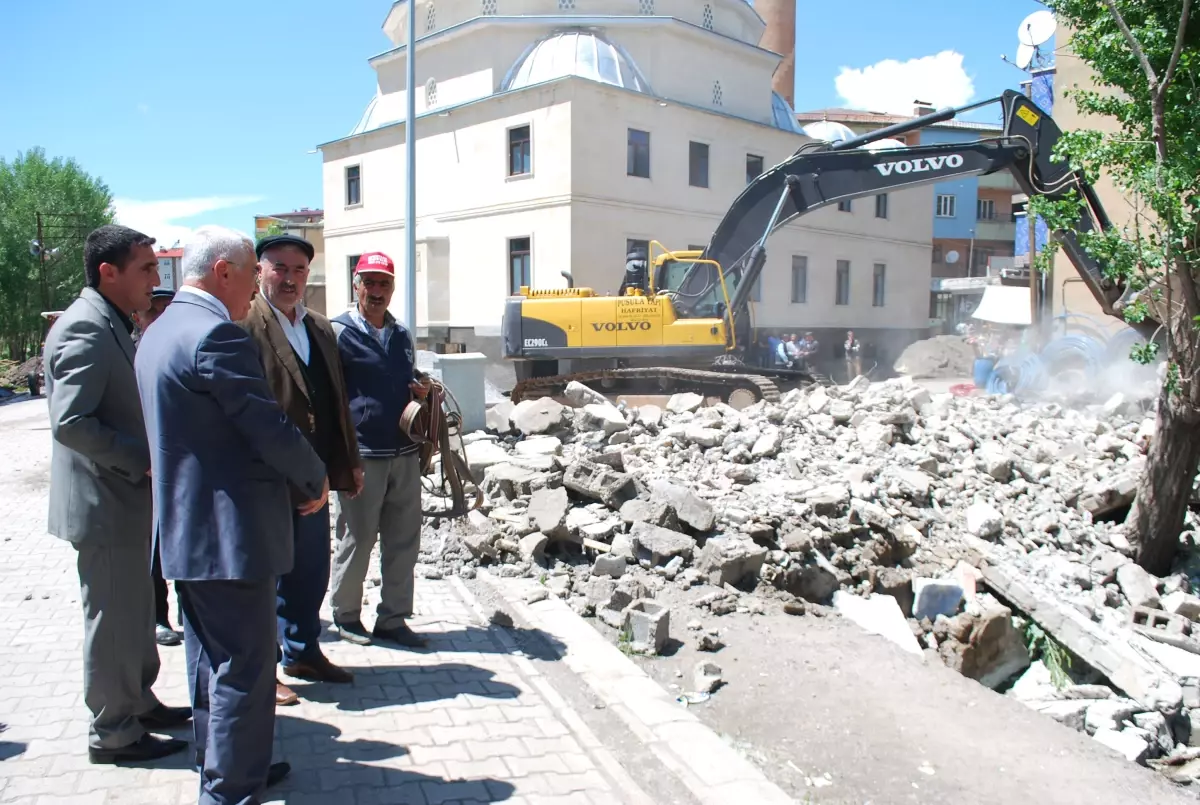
x=843, y=282
x=430, y=93
x=698, y=164
x=718, y=94
x=430, y=18
x=844, y=206
x=351, y=263
x=937, y=254
x=708, y=16
x=945, y=206
x=642, y=246
x=985, y=209
x=637, y=161
x=488, y=7
x=754, y=167
x=519, y=266
x=799, y=279
x=878, y=286
x=520, y=160
x=881, y=205
x=645, y=6
x=353, y=185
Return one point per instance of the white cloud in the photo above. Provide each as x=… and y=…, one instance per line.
x=160, y=219
x=891, y=86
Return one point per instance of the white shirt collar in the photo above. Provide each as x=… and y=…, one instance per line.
x=203, y=294
x=296, y=333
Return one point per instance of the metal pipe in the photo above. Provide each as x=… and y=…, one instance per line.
x=410, y=173
x=909, y=125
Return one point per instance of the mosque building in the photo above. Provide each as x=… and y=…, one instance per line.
x=554, y=135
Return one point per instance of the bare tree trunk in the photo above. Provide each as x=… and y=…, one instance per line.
x=1157, y=516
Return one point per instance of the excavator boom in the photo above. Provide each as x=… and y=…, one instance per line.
x=821, y=174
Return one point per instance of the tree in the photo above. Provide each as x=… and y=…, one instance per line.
x=71, y=203
x=1145, y=55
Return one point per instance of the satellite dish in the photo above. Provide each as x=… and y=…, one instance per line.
x=951, y=257
x=1037, y=28
x=1024, y=55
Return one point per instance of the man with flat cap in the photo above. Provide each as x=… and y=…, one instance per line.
x=299, y=355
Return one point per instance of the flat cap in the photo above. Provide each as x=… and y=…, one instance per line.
x=284, y=240
x=162, y=293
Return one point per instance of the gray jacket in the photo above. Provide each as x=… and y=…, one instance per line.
x=99, y=491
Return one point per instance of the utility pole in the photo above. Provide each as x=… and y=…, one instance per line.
x=43, y=280
x=1035, y=287
x=410, y=173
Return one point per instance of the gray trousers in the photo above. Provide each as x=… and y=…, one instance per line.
x=120, y=657
x=388, y=509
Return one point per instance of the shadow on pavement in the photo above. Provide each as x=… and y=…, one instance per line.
x=340, y=766
x=384, y=686
x=534, y=643
x=10, y=749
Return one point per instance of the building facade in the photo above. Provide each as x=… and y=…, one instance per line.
x=168, y=268
x=553, y=136
x=973, y=227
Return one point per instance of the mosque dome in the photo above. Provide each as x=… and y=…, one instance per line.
x=581, y=53
x=829, y=131
x=782, y=115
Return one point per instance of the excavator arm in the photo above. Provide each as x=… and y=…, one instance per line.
x=820, y=174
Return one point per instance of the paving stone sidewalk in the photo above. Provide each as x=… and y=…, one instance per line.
x=469, y=721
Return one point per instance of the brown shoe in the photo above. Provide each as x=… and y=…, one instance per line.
x=319, y=669
x=284, y=695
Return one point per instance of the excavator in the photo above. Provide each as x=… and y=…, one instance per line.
x=685, y=324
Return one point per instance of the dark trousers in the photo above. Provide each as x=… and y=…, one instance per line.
x=301, y=591
x=227, y=628
x=162, y=609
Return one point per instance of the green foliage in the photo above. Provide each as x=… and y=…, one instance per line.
x=1151, y=90
x=72, y=203
x=1056, y=658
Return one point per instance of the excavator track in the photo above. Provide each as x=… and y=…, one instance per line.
x=723, y=382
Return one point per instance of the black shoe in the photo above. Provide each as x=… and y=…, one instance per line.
x=277, y=772
x=401, y=634
x=144, y=749
x=166, y=636
x=166, y=718
x=353, y=632
x=319, y=669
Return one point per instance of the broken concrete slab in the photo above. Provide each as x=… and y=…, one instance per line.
x=706, y=677
x=1140, y=678
x=608, y=565
x=1181, y=603
x=727, y=560
x=602, y=416
x=599, y=482
x=689, y=508
x=878, y=614
x=1132, y=747
x=498, y=417
x=656, y=512
x=578, y=395
x=1138, y=586
x=897, y=582
x=684, y=403
x=983, y=520
x=548, y=511
x=541, y=415
x=659, y=545
x=993, y=651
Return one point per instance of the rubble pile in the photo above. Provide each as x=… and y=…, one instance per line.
x=943, y=356
x=865, y=492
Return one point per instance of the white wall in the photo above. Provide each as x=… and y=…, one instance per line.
x=579, y=206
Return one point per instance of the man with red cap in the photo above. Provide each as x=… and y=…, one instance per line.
x=377, y=356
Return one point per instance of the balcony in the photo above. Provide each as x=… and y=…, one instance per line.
x=995, y=229
x=1000, y=180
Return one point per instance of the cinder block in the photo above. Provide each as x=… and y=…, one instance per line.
x=648, y=623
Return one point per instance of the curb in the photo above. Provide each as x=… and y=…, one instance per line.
x=714, y=772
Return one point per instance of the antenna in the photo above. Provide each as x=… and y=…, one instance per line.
x=1024, y=55
x=1037, y=28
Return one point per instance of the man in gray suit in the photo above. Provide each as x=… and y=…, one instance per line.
x=224, y=454
x=100, y=498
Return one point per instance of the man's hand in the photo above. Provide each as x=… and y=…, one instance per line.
x=314, y=506
x=358, y=483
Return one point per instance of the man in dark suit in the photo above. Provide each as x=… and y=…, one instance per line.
x=224, y=456
x=299, y=355
x=100, y=498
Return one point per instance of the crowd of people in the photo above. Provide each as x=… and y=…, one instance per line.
x=197, y=437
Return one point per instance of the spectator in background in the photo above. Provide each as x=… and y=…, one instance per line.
x=852, y=348
x=164, y=634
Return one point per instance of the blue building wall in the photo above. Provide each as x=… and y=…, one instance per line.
x=965, y=191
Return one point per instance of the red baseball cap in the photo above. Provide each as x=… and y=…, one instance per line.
x=375, y=263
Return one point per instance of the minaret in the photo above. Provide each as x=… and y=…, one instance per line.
x=780, y=36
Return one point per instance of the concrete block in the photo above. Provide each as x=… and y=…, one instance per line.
x=878, y=614
x=648, y=624
x=1181, y=603
x=1138, y=586
x=599, y=482
x=1133, y=748
x=933, y=597
x=609, y=565
x=463, y=375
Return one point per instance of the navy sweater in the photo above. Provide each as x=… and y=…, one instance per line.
x=377, y=377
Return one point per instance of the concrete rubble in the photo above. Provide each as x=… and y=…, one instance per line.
x=958, y=527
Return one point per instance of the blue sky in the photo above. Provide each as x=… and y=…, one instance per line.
x=202, y=112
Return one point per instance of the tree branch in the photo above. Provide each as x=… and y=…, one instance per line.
x=1175, y=54
x=1134, y=45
